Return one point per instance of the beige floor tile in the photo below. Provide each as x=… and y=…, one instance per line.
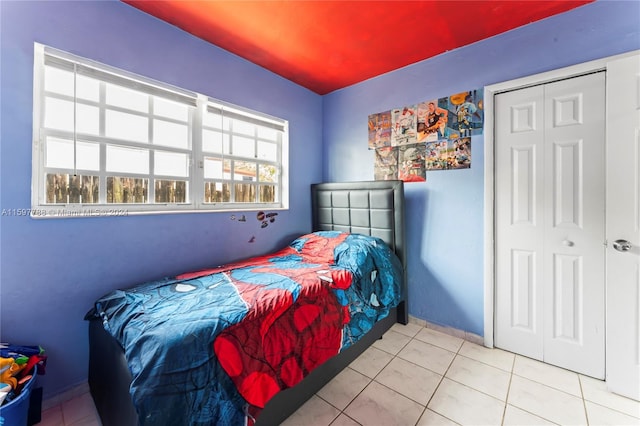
x=344, y=420
x=513, y=416
x=371, y=362
x=428, y=356
x=550, y=375
x=74, y=392
x=341, y=390
x=466, y=406
x=595, y=390
x=548, y=403
x=480, y=376
x=603, y=416
x=494, y=357
x=431, y=418
x=52, y=416
x=447, y=330
x=79, y=409
x=472, y=392
x=410, y=380
x=408, y=330
x=314, y=412
x=439, y=339
x=89, y=421
x=378, y=405
x=392, y=342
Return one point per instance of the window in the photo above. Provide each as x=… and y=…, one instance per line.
x=110, y=142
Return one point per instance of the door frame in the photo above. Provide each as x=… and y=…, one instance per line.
x=489, y=169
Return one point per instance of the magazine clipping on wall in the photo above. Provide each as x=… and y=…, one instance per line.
x=431, y=135
x=380, y=130
x=432, y=121
x=448, y=154
x=386, y=163
x=404, y=123
x=411, y=159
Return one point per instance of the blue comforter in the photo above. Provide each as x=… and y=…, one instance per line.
x=212, y=347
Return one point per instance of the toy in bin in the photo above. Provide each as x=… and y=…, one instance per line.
x=16, y=380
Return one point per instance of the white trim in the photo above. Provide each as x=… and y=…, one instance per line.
x=67, y=395
x=451, y=331
x=489, y=262
x=38, y=105
x=489, y=231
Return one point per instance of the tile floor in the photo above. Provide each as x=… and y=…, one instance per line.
x=419, y=376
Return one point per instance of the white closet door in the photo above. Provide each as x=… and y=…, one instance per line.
x=574, y=266
x=623, y=223
x=550, y=223
x=519, y=220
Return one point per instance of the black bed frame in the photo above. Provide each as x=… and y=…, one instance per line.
x=372, y=208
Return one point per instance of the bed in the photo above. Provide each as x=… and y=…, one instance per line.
x=347, y=219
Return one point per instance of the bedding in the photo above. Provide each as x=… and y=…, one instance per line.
x=213, y=346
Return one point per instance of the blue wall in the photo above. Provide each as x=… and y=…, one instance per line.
x=52, y=270
x=445, y=214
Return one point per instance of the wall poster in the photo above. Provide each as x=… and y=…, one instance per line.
x=380, y=130
x=403, y=122
x=431, y=135
x=386, y=163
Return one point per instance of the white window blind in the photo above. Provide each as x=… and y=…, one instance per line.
x=107, y=141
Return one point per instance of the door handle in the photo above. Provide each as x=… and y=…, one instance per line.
x=622, y=245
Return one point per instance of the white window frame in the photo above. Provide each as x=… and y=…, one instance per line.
x=199, y=106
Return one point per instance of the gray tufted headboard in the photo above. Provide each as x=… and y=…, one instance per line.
x=373, y=208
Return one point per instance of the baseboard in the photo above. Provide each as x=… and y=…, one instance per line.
x=65, y=396
x=465, y=335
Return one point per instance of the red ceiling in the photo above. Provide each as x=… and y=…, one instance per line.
x=328, y=45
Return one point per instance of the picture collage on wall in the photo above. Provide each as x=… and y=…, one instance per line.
x=431, y=135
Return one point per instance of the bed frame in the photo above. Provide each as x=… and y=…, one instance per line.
x=372, y=208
